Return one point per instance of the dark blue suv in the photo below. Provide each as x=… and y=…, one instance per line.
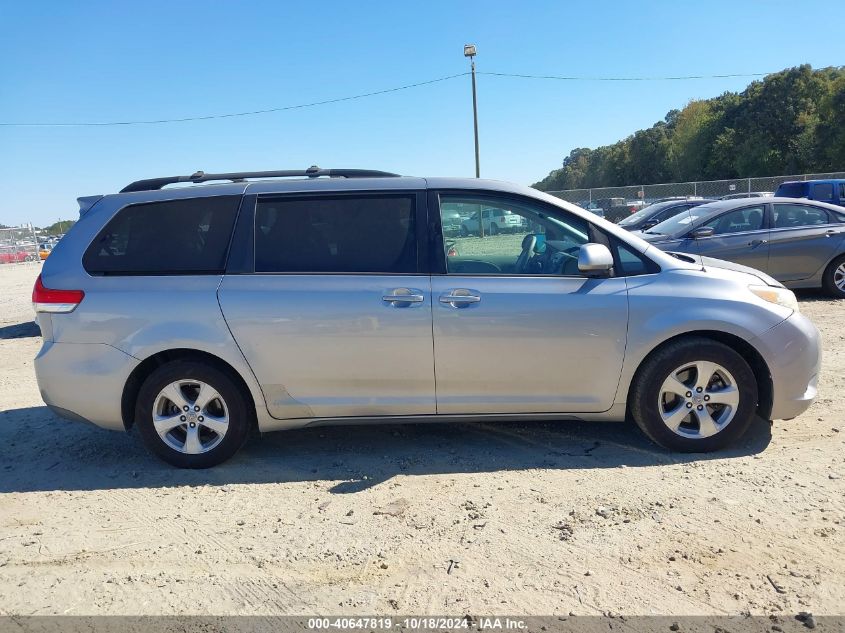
x=830, y=191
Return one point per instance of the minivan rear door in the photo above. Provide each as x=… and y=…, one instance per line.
x=328, y=304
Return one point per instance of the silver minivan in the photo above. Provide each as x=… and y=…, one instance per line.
x=280, y=300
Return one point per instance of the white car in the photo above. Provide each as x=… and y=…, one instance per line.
x=495, y=221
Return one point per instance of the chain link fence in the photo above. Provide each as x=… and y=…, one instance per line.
x=18, y=244
x=646, y=194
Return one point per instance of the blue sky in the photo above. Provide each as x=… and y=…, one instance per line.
x=106, y=61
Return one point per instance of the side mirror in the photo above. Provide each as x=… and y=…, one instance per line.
x=704, y=231
x=650, y=224
x=594, y=260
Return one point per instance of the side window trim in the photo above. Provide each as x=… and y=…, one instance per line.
x=241, y=258
x=420, y=215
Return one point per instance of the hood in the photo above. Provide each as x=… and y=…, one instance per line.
x=712, y=262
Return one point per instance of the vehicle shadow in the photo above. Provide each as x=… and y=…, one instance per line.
x=813, y=295
x=41, y=452
x=27, y=329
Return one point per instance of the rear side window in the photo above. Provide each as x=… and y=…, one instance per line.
x=343, y=234
x=823, y=191
x=795, y=215
x=188, y=236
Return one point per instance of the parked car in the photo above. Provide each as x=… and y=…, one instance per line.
x=830, y=191
x=15, y=255
x=654, y=214
x=197, y=313
x=44, y=250
x=613, y=209
x=799, y=243
x=747, y=194
x=452, y=221
x=495, y=221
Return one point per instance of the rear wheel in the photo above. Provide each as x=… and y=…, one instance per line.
x=494, y=229
x=833, y=280
x=192, y=415
x=695, y=395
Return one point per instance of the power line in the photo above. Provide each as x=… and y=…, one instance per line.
x=363, y=96
x=563, y=78
x=236, y=114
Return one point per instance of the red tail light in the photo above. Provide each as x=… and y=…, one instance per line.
x=48, y=300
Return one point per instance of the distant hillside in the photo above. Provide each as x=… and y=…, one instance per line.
x=791, y=122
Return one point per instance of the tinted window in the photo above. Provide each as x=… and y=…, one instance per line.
x=787, y=215
x=791, y=190
x=823, y=191
x=747, y=219
x=842, y=191
x=516, y=238
x=671, y=212
x=173, y=237
x=348, y=234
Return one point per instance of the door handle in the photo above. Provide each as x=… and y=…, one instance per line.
x=460, y=297
x=404, y=295
x=757, y=242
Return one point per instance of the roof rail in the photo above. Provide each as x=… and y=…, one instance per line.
x=152, y=184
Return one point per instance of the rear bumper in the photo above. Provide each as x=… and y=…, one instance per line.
x=84, y=381
x=792, y=350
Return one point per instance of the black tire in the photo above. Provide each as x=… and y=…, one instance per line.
x=494, y=229
x=645, y=397
x=464, y=230
x=828, y=282
x=236, y=404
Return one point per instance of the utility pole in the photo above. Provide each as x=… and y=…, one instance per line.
x=469, y=51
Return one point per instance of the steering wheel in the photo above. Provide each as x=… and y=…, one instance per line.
x=528, y=244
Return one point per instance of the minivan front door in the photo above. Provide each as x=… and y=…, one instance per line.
x=334, y=316
x=517, y=329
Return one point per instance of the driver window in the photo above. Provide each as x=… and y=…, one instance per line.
x=513, y=238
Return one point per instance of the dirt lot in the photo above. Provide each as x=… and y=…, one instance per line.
x=535, y=519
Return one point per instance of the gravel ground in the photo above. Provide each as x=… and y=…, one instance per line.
x=444, y=519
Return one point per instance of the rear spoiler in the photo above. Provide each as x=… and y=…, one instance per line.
x=86, y=202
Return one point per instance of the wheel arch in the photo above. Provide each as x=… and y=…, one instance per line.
x=762, y=374
x=138, y=375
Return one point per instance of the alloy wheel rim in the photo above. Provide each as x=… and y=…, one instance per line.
x=698, y=399
x=190, y=416
x=839, y=277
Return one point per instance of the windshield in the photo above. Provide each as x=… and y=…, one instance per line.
x=680, y=222
x=643, y=213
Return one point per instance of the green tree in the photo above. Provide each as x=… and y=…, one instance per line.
x=791, y=122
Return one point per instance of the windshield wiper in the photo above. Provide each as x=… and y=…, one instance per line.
x=653, y=233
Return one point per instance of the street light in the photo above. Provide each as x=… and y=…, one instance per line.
x=469, y=51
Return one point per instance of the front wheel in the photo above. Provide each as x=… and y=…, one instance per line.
x=833, y=280
x=494, y=229
x=695, y=395
x=192, y=414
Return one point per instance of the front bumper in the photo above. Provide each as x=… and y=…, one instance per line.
x=84, y=381
x=792, y=350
